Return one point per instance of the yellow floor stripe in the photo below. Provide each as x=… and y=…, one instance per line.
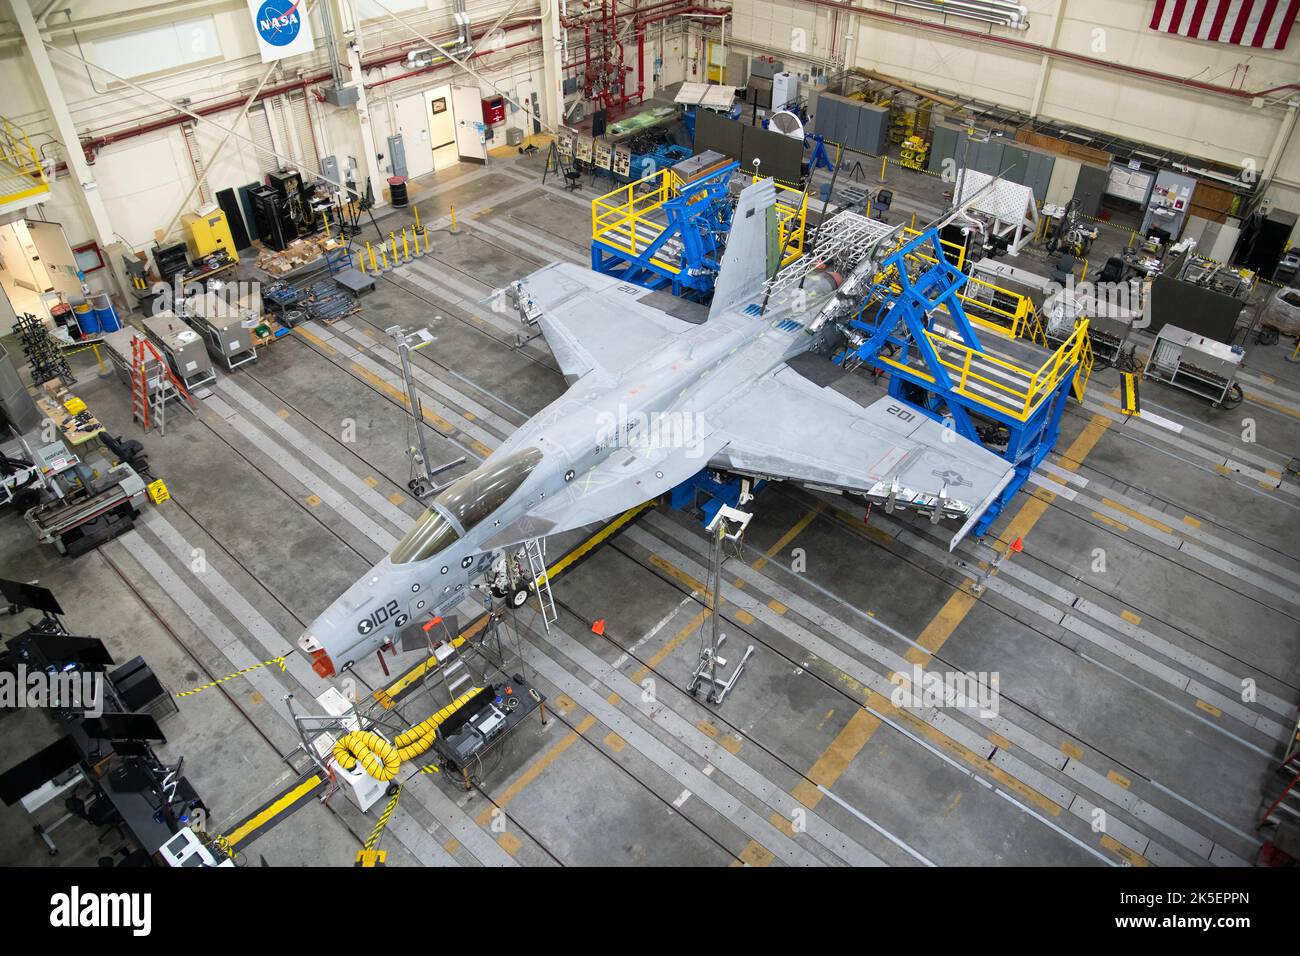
x=786, y=538
x=534, y=770
x=1276, y=406
x=836, y=758
x=755, y=855
x=941, y=626
x=966, y=755
x=289, y=799
x=690, y=628
x=1109, y=521
x=596, y=539
x=1132, y=856
x=1137, y=516
x=949, y=617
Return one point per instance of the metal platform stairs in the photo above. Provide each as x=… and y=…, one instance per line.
x=913, y=324
x=665, y=232
x=22, y=177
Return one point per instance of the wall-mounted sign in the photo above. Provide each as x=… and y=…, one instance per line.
x=282, y=28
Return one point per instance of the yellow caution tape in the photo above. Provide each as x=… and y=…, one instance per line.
x=221, y=680
x=382, y=822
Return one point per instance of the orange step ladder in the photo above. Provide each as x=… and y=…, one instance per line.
x=153, y=385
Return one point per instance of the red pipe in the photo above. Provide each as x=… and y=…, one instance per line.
x=92, y=144
x=434, y=67
x=1039, y=50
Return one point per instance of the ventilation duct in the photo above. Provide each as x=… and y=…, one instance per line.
x=996, y=12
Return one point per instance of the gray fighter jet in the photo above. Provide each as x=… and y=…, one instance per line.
x=652, y=401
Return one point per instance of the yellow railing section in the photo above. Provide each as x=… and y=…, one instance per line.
x=20, y=166
x=628, y=218
x=1002, y=385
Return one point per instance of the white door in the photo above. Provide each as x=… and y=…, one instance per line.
x=442, y=127
x=56, y=256
x=412, y=119
x=468, y=106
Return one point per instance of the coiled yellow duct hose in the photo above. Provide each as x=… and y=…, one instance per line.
x=381, y=759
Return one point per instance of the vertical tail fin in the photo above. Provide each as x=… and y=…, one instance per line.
x=753, y=250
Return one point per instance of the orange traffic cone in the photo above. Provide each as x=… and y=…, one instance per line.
x=598, y=627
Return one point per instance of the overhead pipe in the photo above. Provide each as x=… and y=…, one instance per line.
x=1038, y=49
x=435, y=67
x=94, y=143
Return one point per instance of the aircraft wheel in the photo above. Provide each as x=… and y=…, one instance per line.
x=519, y=598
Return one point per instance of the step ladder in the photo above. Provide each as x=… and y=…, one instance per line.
x=535, y=552
x=1289, y=801
x=337, y=260
x=153, y=385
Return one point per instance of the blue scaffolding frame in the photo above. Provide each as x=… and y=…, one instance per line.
x=699, y=216
x=898, y=319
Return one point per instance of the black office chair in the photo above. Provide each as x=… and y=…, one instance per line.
x=1113, y=271
x=100, y=812
x=127, y=450
x=1064, y=268
x=884, y=199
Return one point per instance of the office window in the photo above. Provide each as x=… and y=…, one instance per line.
x=159, y=49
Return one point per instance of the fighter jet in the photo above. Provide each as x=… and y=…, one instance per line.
x=652, y=401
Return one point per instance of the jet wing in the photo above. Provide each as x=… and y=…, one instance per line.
x=593, y=321
x=785, y=426
x=628, y=477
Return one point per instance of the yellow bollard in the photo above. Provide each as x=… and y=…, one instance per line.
x=913, y=227
x=392, y=239
x=416, y=210
x=455, y=229
x=884, y=161
x=383, y=252
x=361, y=262
x=406, y=251
x=426, y=240
x=370, y=249
x=326, y=219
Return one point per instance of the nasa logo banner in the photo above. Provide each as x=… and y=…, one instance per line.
x=282, y=28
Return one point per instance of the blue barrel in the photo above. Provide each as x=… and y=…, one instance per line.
x=87, y=320
x=104, y=314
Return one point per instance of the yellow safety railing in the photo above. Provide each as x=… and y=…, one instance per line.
x=910, y=234
x=21, y=173
x=628, y=218
x=1002, y=385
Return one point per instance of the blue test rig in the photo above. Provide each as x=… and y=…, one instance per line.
x=948, y=376
x=670, y=238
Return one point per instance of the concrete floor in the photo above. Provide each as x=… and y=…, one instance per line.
x=1159, y=573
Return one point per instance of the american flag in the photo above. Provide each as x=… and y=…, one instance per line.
x=1259, y=23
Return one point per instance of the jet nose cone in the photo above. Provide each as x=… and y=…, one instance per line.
x=316, y=653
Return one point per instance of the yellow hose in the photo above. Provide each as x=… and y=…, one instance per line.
x=377, y=755
x=381, y=759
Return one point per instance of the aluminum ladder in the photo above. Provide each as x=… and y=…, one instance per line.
x=150, y=395
x=535, y=552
